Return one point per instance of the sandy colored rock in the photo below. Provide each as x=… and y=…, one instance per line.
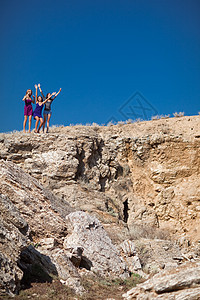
x=144, y=173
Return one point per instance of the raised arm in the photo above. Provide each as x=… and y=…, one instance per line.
x=56, y=94
x=36, y=94
x=48, y=98
x=41, y=91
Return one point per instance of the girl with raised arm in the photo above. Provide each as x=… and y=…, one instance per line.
x=47, y=109
x=28, y=109
x=37, y=114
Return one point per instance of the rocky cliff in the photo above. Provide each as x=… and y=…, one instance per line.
x=136, y=181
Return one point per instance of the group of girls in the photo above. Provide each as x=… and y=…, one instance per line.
x=37, y=113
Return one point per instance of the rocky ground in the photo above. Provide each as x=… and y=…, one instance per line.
x=102, y=202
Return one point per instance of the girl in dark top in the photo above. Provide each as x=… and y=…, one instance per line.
x=28, y=109
x=37, y=114
x=47, y=109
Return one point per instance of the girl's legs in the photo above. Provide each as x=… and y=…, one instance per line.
x=41, y=123
x=36, y=123
x=29, y=123
x=45, y=118
x=24, y=124
x=48, y=119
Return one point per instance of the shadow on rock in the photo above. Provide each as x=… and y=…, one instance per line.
x=36, y=267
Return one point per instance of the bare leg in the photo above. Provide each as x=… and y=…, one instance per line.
x=41, y=123
x=36, y=123
x=49, y=117
x=29, y=123
x=24, y=124
x=45, y=118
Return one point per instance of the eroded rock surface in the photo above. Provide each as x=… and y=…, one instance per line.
x=13, y=239
x=144, y=173
x=99, y=254
x=39, y=232
x=140, y=182
x=180, y=283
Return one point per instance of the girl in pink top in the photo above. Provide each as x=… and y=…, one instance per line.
x=28, y=110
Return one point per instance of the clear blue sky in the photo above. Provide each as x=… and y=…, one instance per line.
x=100, y=53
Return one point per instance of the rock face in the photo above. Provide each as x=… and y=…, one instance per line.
x=28, y=213
x=73, y=191
x=13, y=239
x=38, y=206
x=181, y=283
x=144, y=173
x=31, y=216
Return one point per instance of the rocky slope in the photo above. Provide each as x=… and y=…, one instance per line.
x=140, y=181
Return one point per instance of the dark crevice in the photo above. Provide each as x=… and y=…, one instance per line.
x=81, y=166
x=102, y=182
x=125, y=211
x=119, y=172
x=96, y=153
x=85, y=263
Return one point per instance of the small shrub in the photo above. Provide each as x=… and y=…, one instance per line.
x=157, y=117
x=121, y=123
x=129, y=121
x=180, y=114
x=111, y=123
x=95, y=124
x=165, y=116
x=138, y=120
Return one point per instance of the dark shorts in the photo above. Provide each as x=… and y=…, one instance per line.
x=47, y=112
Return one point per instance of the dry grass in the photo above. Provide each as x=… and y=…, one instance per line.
x=180, y=114
x=96, y=288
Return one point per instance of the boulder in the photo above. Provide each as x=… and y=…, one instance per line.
x=180, y=283
x=99, y=254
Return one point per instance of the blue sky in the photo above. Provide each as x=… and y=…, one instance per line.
x=100, y=53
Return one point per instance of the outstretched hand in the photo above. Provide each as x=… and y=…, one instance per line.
x=36, y=86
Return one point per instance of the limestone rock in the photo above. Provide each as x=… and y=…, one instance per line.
x=144, y=173
x=38, y=206
x=28, y=211
x=127, y=249
x=156, y=254
x=181, y=283
x=99, y=254
x=13, y=239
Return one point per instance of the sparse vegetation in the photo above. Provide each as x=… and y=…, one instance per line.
x=121, y=123
x=138, y=120
x=180, y=114
x=149, y=232
x=97, y=288
x=101, y=288
x=158, y=117
x=165, y=116
x=129, y=121
x=111, y=123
